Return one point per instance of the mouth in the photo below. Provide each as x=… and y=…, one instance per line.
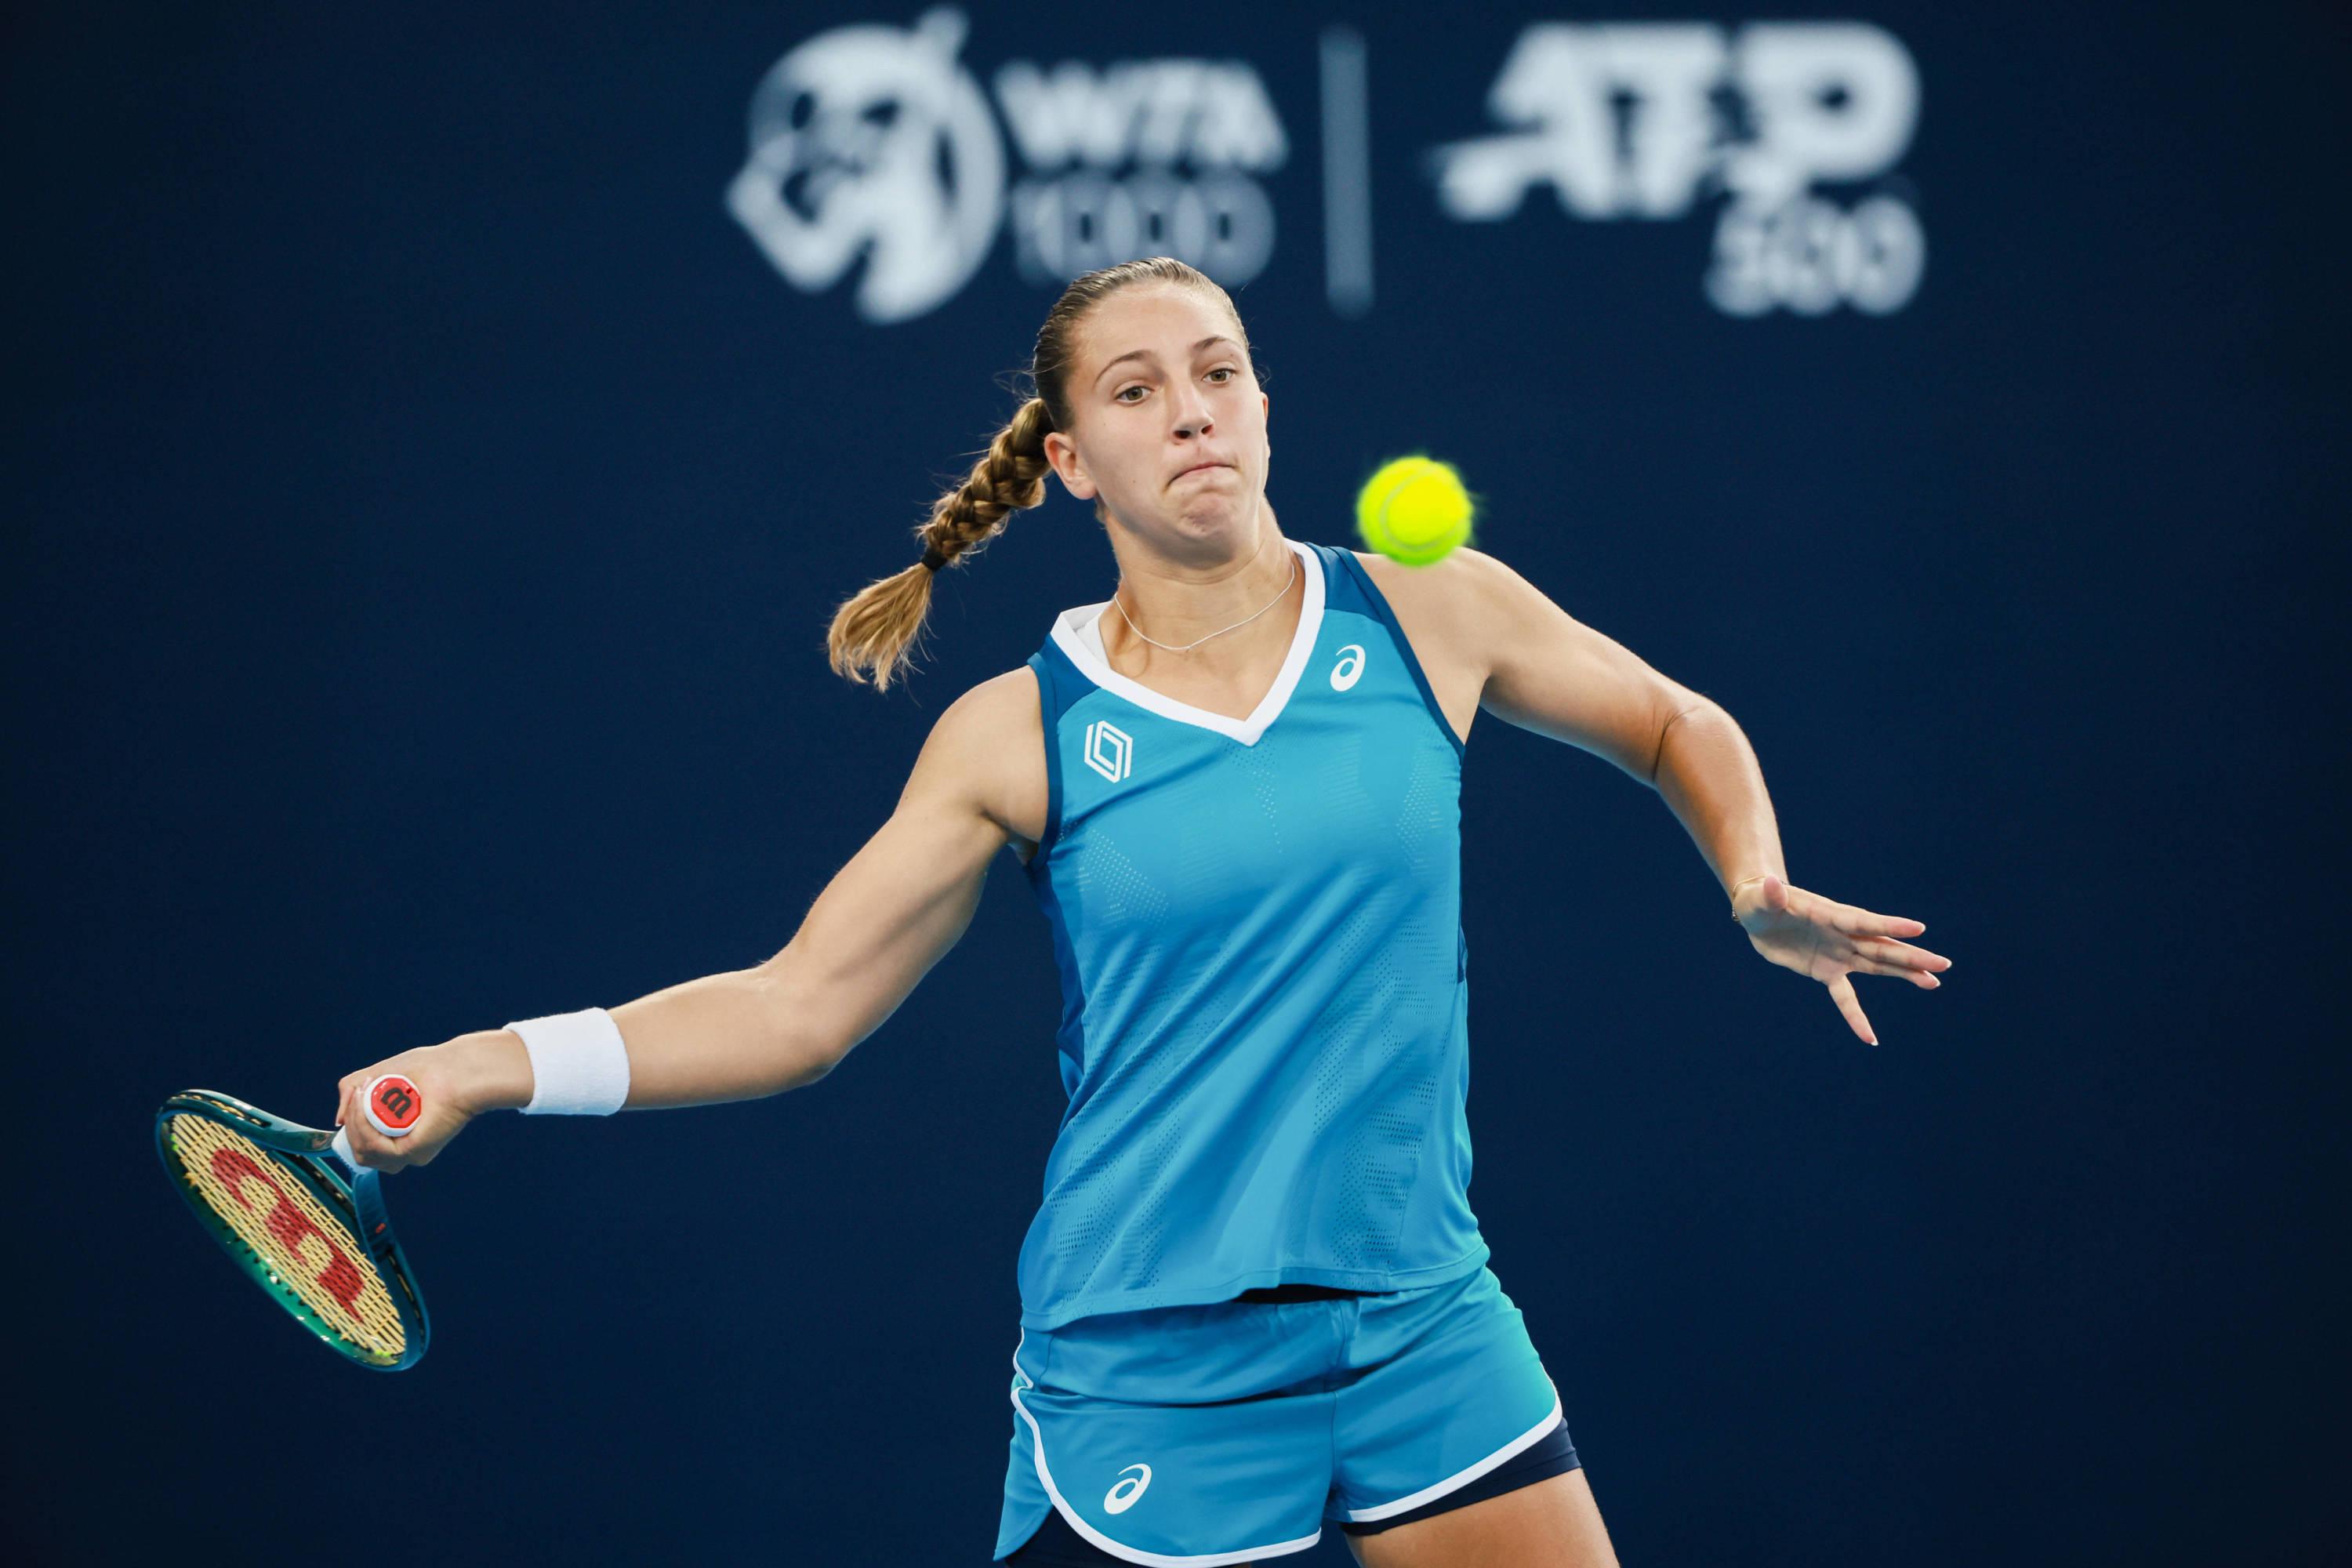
x=1201, y=468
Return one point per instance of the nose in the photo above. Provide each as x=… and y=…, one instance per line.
x=1192, y=412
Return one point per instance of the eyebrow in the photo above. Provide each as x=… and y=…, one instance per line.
x=1145, y=354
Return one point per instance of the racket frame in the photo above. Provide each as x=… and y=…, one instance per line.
x=356, y=1203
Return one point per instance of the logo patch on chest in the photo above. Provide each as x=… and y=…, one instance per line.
x=1110, y=751
x=1350, y=668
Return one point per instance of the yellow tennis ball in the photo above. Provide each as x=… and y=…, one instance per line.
x=1415, y=510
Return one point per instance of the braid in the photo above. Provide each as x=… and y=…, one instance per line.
x=1010, y=476
x=875, y=629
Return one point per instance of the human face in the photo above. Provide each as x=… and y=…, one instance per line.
x=1170, y=424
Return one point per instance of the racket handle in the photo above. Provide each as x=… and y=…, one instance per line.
x=393, y=1104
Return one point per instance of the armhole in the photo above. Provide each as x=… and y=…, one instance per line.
x=1379, y=601
x=1049, y=721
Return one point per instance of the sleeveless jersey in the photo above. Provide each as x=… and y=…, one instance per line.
x=1264, y=980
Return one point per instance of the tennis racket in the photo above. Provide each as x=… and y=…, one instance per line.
x=312, y=1232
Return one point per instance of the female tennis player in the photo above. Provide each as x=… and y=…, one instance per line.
x=1254, y=1300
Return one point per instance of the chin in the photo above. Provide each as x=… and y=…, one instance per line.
x=1220, y=517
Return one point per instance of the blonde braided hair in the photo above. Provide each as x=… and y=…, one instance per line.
x=873, y=632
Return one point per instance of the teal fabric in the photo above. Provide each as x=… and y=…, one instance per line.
x=1219, y=1433
x=1264, y=1029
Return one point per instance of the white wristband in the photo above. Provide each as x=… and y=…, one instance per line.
x=579, y=1064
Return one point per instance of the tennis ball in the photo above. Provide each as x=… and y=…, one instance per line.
x=1415, y=510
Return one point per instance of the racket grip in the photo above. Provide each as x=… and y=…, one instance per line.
x=393, y=1104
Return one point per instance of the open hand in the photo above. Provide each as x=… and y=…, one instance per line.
x=1829, y=941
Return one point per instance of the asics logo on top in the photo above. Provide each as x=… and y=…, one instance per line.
x=1350, y=666
x=1118, y=1499
x=1110, y=751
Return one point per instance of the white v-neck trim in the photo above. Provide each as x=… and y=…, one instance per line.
x=1076, y=635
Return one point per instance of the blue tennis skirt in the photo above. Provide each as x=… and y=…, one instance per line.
x=1221, y=1433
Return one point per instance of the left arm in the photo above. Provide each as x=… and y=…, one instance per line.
x=1548, y=673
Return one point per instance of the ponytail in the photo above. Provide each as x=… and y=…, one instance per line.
x=875, y=631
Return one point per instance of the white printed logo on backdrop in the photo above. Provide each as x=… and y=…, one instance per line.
x=876, y=143
x=1640, y=120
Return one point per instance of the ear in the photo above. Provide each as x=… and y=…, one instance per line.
x=1063, y=453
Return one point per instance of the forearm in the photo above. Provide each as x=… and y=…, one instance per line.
x=708, y=1041
x=1709, y=777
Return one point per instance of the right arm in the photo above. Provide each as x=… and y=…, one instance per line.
x=889, y=915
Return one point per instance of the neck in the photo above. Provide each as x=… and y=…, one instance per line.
x=1178, y=604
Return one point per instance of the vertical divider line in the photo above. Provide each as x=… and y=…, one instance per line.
x=1347, y=174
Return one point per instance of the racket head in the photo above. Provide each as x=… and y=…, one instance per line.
x=317, y=1241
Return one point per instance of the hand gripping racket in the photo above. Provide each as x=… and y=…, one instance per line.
x=317, y=1241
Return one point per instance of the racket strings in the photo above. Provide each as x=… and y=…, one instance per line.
x=308, y=1251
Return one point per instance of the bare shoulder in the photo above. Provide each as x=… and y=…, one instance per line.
x=1457, y=601
x=1463, y=584
x=1448, y=611
x=1548, y=672
x=989, y=747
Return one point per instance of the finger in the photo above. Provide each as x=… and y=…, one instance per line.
x=1842, y=993
x=389, y=1155
x=1888, y=950
x=1861, y=963
x=369, y=1147
x=1862, y=923
x=1776, y=894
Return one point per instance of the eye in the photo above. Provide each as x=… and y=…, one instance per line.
x=1226, y=370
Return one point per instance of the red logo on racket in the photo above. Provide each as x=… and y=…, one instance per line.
x=289, y=1226
x=397, y=1103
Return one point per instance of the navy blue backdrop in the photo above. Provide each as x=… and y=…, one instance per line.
x=430, y=484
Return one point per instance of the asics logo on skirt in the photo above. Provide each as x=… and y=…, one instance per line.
x=1118, y=1499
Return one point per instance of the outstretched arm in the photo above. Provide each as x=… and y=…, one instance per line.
x=884, y=919
x=1548, y=673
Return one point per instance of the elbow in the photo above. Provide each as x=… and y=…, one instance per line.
x=1690, y=707
x=801, y=1078
x=1658, y=750
x=798, y=1050
x=788, y=1067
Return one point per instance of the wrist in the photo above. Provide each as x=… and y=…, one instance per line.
x=491, y=1070
x=579, y=1063
x=1736, y=889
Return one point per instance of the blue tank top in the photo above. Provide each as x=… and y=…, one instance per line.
x=1265, y=981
